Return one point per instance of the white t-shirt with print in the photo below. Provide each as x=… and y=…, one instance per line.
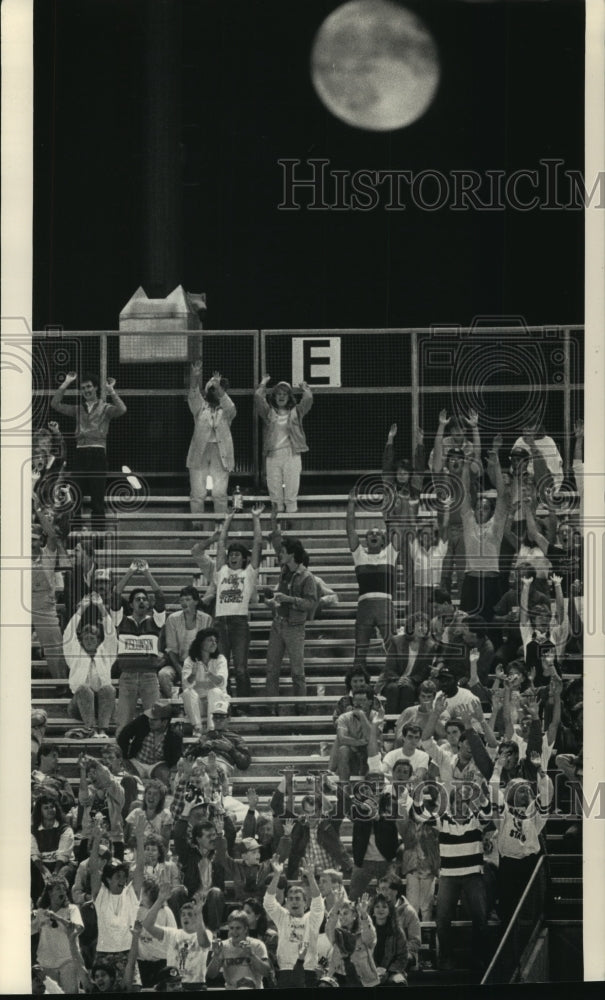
x=185, y=953
x=237, y=965
x=234, y=588
x=116, y=915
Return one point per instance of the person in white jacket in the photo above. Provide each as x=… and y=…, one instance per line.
x=211, y=449
x=205, y=675
x=523, y=814
x=297, y=931
x=536, y=437
x=90, y=650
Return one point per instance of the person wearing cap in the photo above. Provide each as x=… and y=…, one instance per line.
x=186, y=948
x=236, y=578
x=228, y=747
x=90, y=651
x=211, y=450
x=376, y=578
x=181, y=629
x=248, y=873
x=150, y=745
x=138, y=637
x=284, y=439
x=169, y=980
x=243, y=960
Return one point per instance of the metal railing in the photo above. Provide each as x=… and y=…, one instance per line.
x=529, y=914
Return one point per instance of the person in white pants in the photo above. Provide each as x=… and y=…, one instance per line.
x=284, y=440
x=205, y=673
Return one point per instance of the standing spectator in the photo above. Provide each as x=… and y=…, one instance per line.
x=312, y=837
x=100, y=795
x=535, y=435
x=54, y=912
x=391, y=954
x=47, y=778
x=353, y=938
x=90, y=651
x=537, y=629
x=375, y=838
x=391, y=887
x=151, y=954
x=236, y=578
x=295, y=928
x=240, y=957
x=427, y=554
x=376, y=578
x=112, y=758
x=138, y=635
x=194, y=847
x=181, y=629
x=158, y=818
x=205, y=675
x=48, y=463
x=460, y=829
x=116, y=898
x=187, y=948
x=150, y=745
x=248, y=873
x=418, y=862
x=79, y=578
x=483, y=532
x=44, y=604
x=293, y=603
x=211, y=449
x=284, y=440
x=409, y=750
x=93, y=417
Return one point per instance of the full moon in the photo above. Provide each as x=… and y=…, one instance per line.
x=375, y=65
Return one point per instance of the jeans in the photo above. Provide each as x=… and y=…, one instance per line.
x=94, y=709
x=194, y=702
x=513, y=876
x=471, y=890
x=420, y=893
x=211, y=465
x=479, y=595
x=361, y=877
x=90, y=475
x=454, y=558
x=351, y=760
x=290, y=639
x=372, y=611
x=135, y=684
x=283, y=479
x=234, y=638
x=51, y=640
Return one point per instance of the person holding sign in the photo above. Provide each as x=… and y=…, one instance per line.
x=284, y=439
x=138, y=635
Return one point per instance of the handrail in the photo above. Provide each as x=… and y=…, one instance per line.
x=512, y=921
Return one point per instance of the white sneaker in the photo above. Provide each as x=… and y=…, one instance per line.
x=100, y=736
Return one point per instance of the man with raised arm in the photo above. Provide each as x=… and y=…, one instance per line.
x=93, y=417
x=296, y=929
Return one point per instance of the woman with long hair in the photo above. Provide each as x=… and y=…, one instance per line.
x=408, y=663
x=391, y=949
x=52, y=838
x=53, y=919
x=353, y=938
x=284, y=439
x=158, y=818
x=211, y=449
x=205, y=675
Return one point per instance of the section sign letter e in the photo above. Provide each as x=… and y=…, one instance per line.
x=316, y=360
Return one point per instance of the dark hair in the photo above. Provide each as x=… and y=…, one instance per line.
x=239, y=547
x=355, y=672
x=403, y=463
x=210, y=394
x=87, y=545
x=195, y=649
x=391, y=922
x=156, y=842
x=111, y=868
x=52, y=882
x=295, y=548
x=509, y=745
x=367, y=691
x=262, y=922
x=45, y=750
x=151, y=887
x=104, y=965
x=88, y=377
x=457, y=723
x=47, y=800
x=189, y=592
x=161, y=787
x=394, y=882
x=201, y=828
x=412, y=620
x=88, y=626
x=477, y=624
x=133, y=593
x=409, y=726
x=291, y=400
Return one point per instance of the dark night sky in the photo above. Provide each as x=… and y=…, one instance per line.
x=511, y=93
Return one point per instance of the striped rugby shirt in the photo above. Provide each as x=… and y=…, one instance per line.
x=375, y=571
x=460, y=841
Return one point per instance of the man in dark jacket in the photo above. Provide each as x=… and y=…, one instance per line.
x=150, y=745
x=229, y=747
x=194, y=846
x=373, y=813
x=307, y=836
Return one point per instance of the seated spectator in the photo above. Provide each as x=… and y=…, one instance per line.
x=47, y=779
x=152, y=746
x=390, y=951
x=112, y=758
x=156, y=863
x=353, y=938
x=157, y=816
x=408, y=664
x=81, y=889
x=53, y=918
x=41, y=983
x=311, y=836
x=151, y=954
x=205, y=675
x=418, y=861
x=229, y=748
x=391, y=887
x=356, y=679
x=240, y=957
x=408, y=750
x=138, y=635
x=187, y=948
x=52, y=838
x=455, y=697
x=44, y=603
x=357, y=734
x=101, y=793
x=261, y=826
x=38, y=729
x=295, y=928
x=417, y=714
x=90, y=651
x=197, y=786
x=535, y=437
x=181, y=629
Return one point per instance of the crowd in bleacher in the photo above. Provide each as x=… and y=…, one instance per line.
x=150, y=872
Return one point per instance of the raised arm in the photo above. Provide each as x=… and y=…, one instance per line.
x=160, y=601
x=388, y=457
x=559, y=599
x=352, y=535
x=164, y=893
x=260, y=397
x=221, y=545
x=556, y=685
x=473, y=422
x=117, y=406
x=533, y=531
x=194, y=397
x=438, y=446
x=57, y=400
x=306, y=401
x=257, y=536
